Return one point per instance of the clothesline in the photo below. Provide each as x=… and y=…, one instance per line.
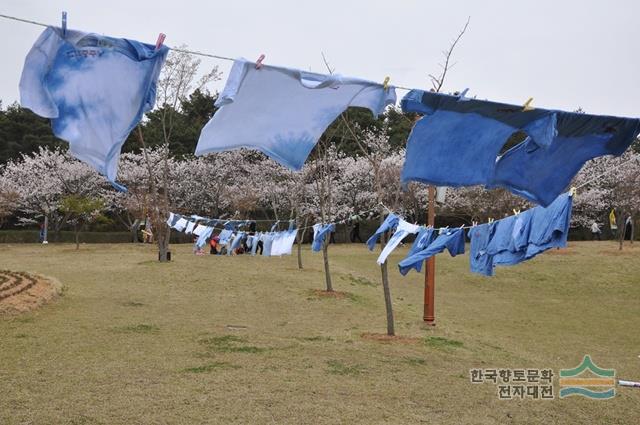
x=191, y=52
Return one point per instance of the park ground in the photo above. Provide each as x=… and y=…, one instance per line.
x=247, y=339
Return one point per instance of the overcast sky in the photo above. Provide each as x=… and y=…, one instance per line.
x=563, y=53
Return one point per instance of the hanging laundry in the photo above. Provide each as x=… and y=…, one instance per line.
x=237, y=240
x=402, y=231
x=320, y=232
x=450, y=239
x=181, y=224
x=199, y=229
x=225, y=236
x=479, y=259
x=190, y=226
x=173, y=218
x=425, y=236
x=520, y=237
x=389, y=223
x=458, y=143
x=204, y=236
x=288, y=110
x=283, y=243
x=267, y=240
x=94, y=89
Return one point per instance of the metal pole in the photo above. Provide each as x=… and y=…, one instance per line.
x=430, y=269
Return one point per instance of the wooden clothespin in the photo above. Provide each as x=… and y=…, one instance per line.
x=259, y=61
x=64, y=24
x=385, y=83
x=573, y=191
x=490, y=220
x=516, y=211
x=527, y=105
x=160, y=40
x=474, y=223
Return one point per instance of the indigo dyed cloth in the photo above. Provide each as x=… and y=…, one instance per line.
x=450, y=239
x=402, y=231
x=389, y=223
x=282, y=112
x=518, y=238
x=458, y=142
x=425, y=236
x=479, y=259
x=320, y=232
x=94, y=88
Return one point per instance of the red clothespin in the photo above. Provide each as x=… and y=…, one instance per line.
x=160, y=40
x=259, y=61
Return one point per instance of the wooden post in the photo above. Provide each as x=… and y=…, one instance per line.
x=430, y=269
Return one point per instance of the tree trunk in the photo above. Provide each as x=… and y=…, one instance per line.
x=385, y=284
x=387, y=299
x=162, y=235
x=76, y=229
x=325, y=257
x=622, y=229
x=134, y=231
x=300, y=239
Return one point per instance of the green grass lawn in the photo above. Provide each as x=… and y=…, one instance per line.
x=246, y=340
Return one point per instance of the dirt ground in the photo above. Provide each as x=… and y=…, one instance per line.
x=21, y=291
x=251, y=340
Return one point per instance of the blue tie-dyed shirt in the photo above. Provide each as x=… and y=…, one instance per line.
x=283, y=112
x=94, y=88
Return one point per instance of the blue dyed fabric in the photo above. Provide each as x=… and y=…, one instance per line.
x=94, y=88
x=225, y=236
x=518, y=238
x=479, y=259
x=389, y=223
x=425, y=236
x=319, y=234
x=450, y=239
x=458, y=143
x=503, y=246
x=236, y=242
x=283, y=112
x=204, y=236
x=549, y=226
x=267, y=240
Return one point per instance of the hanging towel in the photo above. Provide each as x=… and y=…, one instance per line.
x=94, y=88
x=283, y=112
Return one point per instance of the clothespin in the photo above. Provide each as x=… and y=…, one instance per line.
x=160, y=40
x=259, y=61
x=527, y=105
x=474, y=223
x=462, y=95
x=385, y=84
x=516, y=211
x=64, y=24
x=490, y=220
x=572, y=191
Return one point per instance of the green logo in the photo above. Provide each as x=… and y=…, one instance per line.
x=573, y=383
